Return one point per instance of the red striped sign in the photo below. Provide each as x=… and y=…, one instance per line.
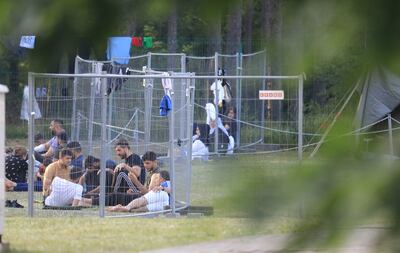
x=271, y=94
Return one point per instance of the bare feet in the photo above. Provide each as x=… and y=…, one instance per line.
x=117, y=208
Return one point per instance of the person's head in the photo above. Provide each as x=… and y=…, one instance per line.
x=110, y=164
x=75, y=173
x=92, y=163
x=149, y=160
x=39, y=139
x=164, y=175
x=56, y=126
x=20, y=152
x=196, y=129
x=65, y=157
x=122, y=148
x=9, y=151
x=231, y=112
x=75, y=147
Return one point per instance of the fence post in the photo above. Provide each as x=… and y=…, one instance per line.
x=189, y=114
x=136, y=129
x=216, y=100
x=3, y=91
x=300, y=120
x=91, y=115
x=149, y=60
x=239, y=68
x=31, y=133
x=103, y=146
x=172, y=151
x=263, y=102
x=75, y=90
x=148, y=89
x=110, y=115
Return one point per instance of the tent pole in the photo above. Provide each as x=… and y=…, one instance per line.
x=333, y=122
x=390, y=135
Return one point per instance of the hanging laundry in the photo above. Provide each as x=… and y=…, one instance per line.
x=148, y=42
x=137, y=41
x=118, y=49
x=165, y=105
x=116, y=83
x=27, y=42
x=25, y=106
x=122, y=70
x=97, y=68
x=166, y=83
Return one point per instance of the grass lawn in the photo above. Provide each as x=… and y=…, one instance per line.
x=76, y=233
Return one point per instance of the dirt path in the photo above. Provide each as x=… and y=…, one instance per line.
x=361, y=240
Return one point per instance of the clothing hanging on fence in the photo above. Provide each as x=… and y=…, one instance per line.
x=137, y=41
x=218, y=86
x=211, y=113
x=148, y=42
x=97, y=69
x=122, y=70
x=167, y=84
x=25, y=106
x=27, y=42
x=118, y=49
x=165, y=105
x=224, y=90
x=115, y=84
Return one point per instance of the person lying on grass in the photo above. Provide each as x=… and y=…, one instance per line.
x=155, y=200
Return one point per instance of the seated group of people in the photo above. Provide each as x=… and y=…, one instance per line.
x=69, y=179
x=204, y=134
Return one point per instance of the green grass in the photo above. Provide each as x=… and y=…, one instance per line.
x=17, y=131
x=75, y=233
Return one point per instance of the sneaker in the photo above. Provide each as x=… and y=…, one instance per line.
x=8, y=203
x=15, y=204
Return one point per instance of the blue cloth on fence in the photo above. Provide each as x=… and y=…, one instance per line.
x=118, y=49
x=165, y=105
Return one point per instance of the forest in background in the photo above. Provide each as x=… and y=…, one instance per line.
x=293, y=35
x=333, y=42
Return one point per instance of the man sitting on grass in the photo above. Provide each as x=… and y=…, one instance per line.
x=153, y=201
x=152, y=173
x=60, y=186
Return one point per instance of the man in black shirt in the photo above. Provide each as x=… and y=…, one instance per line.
x=132, y=162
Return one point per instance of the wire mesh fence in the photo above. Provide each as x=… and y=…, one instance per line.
x=97, y=111
x=104, y=102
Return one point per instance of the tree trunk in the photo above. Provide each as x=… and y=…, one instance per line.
x=131, y=27
x=248, y=33
x=216, y=36
x=272, y=30
x=172, y=43
x=234, y=26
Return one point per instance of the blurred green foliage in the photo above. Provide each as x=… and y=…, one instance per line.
x=334, y=42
